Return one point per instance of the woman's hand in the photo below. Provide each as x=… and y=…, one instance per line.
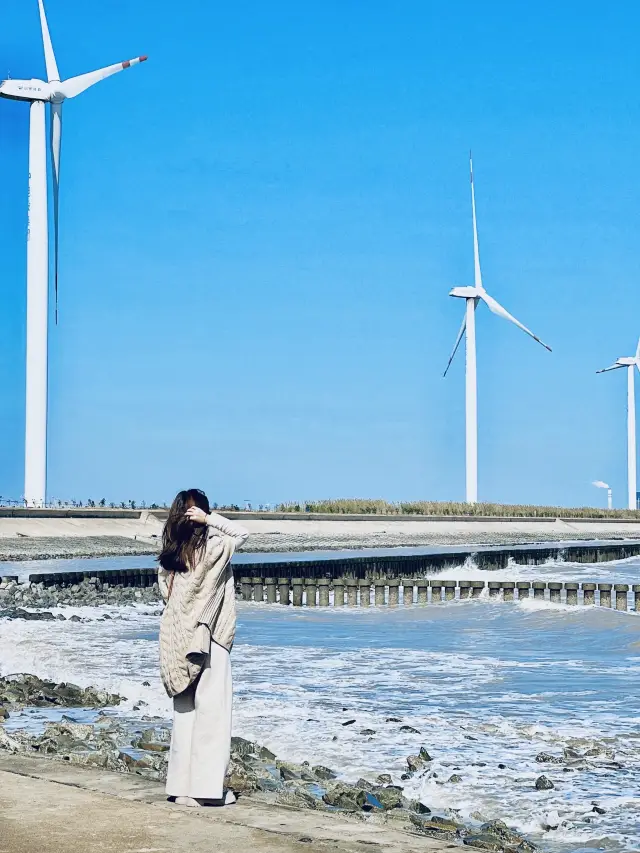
x=196, y=515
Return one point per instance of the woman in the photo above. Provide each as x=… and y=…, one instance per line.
x=196, y=635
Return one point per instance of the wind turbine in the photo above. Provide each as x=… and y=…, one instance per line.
x=629, y=362
x=38, y=93
x=472, y=296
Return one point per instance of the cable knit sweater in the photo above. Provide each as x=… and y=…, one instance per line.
x=200, y=608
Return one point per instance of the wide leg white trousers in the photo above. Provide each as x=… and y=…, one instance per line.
x=201, y=736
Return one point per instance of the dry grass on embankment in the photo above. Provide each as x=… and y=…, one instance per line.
x=349, y=506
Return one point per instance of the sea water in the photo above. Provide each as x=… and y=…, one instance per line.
x=486, y=684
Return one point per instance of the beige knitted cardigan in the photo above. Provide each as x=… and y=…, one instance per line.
x=200, y=606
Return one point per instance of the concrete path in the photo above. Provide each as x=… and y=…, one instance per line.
x=62, y=808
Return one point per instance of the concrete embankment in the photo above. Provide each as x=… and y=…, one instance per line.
x=42, y=534
x=72, y=808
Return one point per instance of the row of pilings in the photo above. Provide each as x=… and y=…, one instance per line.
x=364, y=592
x=393, y=592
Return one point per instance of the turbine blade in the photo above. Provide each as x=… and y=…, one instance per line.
x=76, y=85
x=613, y=367
x=56, y=142
x=638, y=350
x=496, y=308
x=476, y=249
x=457, y=343
x=49, y=55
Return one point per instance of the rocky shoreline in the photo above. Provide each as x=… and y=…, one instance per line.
x=15, y=597
x=141, y=747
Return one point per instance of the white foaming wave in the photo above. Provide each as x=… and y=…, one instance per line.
x=93, y=653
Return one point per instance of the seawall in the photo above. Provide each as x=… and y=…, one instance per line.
x=305, y=531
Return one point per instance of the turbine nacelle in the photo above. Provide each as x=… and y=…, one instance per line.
x=625, y=361
x=467, y=292
x=25, y=90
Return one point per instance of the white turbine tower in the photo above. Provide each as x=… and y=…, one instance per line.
x=629, y=362
x=473, y=295
x=38, y=93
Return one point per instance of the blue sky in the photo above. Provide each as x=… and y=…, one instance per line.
x=260, y=226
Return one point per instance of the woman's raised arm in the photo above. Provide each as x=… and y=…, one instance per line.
x=229, y=528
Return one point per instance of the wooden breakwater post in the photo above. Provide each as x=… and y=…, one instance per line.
x=258, y=589
x=311, y=592
x=605, y=594
x=589, y=593
x=297, y=591
x=271, y=587
x=571, y=590
x=538, y=589
x=436, y=591
x=394, y=592
x=449, y=590
x=323, y=592
x=621, y=590
x=283, y=590
x=555, y=590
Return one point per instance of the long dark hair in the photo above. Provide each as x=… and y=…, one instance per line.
x=181, y=538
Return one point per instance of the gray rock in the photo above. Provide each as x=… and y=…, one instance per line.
x=242, y=746
x=325, y=773
x=350, y=798
x=484, y=842
x=547, y=758
x=437, y=827
x=153, y=740
x=297, y=798
x=240, y=780
x=265, y=754
x=508, y=837
x=544, y=784
x=289, y=771
x=20, y=613
x=18, y=691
